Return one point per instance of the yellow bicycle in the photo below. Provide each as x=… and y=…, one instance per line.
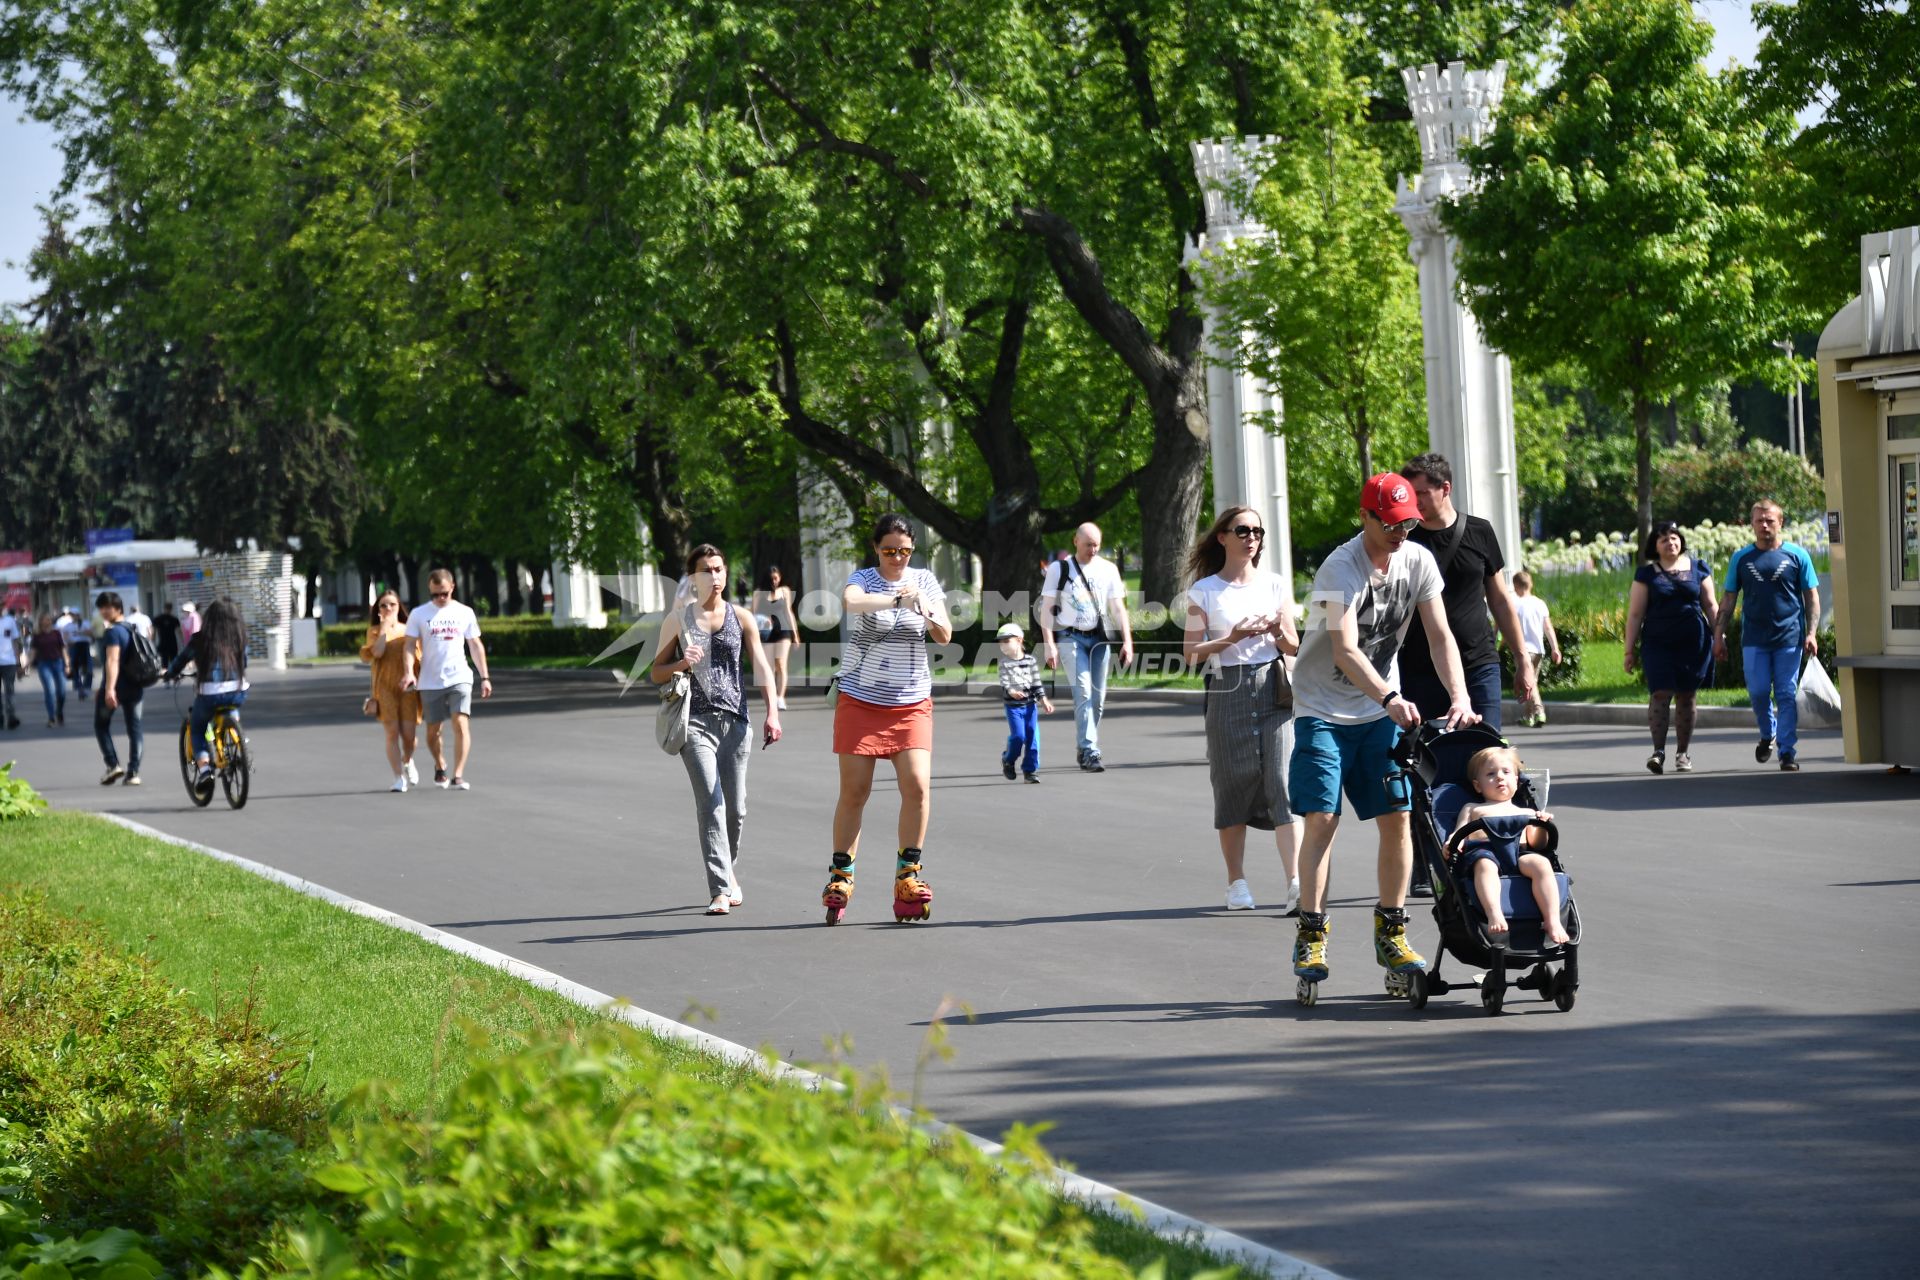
x=232, y=762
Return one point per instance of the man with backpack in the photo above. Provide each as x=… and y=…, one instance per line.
x=131, y=664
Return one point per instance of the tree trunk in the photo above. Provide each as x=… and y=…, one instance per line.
x=1171, y=491
x=1671, y=420
x=1643, y=464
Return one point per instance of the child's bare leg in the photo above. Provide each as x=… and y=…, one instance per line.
x=1546, y=893
x=1486, y=881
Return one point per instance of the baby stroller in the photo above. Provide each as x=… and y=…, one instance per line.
x=1436, y=762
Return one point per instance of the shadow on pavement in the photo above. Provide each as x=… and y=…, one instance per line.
x=1345, y=1159
x=1738, y=791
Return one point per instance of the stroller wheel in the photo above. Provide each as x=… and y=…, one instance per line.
x=1306, y=992
x=1491, y=998
x=1563, y=992
x=1549, y=984
x=1417, y=990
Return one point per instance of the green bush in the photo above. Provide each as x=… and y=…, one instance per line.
x=585, y=1156
x=1564, y=674
x=130, y=1108
x=1693, y=485
x=18, y=799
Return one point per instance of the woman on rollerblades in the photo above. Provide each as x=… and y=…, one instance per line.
x=885, y=711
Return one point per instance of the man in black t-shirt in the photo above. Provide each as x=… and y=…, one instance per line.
x=1470, y=562
x=166, y=629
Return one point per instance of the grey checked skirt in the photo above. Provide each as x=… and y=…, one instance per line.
x=1249, y=743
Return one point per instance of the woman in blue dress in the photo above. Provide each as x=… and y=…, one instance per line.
x=1670, y=634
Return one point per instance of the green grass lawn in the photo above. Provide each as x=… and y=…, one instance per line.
x=366, y=1001
x=1603, y=680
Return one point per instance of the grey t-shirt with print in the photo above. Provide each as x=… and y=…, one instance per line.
x=1383, y=605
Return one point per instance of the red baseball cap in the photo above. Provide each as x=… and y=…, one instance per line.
x=1389, y=496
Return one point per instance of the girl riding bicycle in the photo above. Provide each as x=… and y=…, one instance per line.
x=218, y=652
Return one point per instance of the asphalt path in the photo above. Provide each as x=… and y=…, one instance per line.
x=1734, y=1094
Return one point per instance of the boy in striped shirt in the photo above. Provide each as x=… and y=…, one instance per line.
x=1025, y=700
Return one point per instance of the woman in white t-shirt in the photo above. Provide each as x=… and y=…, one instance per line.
x=1240, y=623
x=885, y=711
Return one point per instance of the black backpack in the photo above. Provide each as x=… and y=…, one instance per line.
x=139, y=661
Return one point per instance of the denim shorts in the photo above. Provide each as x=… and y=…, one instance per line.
x=1330, y=758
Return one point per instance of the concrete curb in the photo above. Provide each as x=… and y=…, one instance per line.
x=1164, y=1221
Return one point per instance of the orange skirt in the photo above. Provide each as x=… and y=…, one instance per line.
x=863, y=729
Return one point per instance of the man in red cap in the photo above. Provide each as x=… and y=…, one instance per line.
x=1348, y=712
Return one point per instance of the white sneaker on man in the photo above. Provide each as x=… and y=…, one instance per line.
x=399, y=783
x=1239, y=896
x=413, y=774
x=1293, y=897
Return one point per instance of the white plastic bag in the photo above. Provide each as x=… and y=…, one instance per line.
x=1818, y=700
x=670, y=724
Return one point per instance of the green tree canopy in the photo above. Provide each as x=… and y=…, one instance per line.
x=1619, y=226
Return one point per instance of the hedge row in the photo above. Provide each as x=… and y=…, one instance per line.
x=577, y=1153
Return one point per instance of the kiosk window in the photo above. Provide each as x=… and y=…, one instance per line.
x=1903, y=426
x=1906, y=500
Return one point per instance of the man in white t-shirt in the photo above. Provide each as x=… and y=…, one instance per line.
x=1348, y=712
x=137, y=618
x=1083, y=597
x=446, y=629
x=79, y=652
x=13, y=643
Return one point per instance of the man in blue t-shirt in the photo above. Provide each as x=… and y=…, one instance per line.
x=1783, y=616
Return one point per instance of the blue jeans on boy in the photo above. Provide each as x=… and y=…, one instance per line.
x=1089, y=652
x=1023, y=734
x=1773, y=678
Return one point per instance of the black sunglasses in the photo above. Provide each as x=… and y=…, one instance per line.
x=1248, y=531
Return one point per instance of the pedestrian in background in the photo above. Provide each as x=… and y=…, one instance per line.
x=388, y=651
x=13, y=654
x=1085, y=598
x=1670, y=612
x=117, y=693
x=773, y=614
x=50, y=661
x=79, y=638
x=446, y=629
x=1783, y=618
x=712, y=641
x=166, y=633
x=1240, y=625
x=1540, y=640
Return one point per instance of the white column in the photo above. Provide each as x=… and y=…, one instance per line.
x=824, y=543
x=1249, y=462
x=1469, y=385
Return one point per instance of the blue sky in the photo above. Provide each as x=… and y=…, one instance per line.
x=31, y=164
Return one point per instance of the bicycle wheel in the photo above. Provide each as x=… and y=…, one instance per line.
x=237, y=776
x=201, y=797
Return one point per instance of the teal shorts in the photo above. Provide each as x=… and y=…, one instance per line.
x=1357, y=758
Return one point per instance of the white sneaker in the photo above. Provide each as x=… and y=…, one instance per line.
x=413, y=774
x=1293, y=897
x=459, y=784
x=399, y=783
x=780, y=703
x=1239, y=897
x=733, y=891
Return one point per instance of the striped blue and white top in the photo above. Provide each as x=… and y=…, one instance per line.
x=885, y=661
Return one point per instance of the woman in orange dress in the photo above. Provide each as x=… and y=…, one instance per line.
x=398, y=709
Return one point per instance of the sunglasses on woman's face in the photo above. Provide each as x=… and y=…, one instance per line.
x=1248, y=531
x=896, y=553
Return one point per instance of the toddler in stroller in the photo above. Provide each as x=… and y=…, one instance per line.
x=1501, y=897
x=1507, y=828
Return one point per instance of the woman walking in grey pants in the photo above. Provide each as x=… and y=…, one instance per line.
x=707, y=638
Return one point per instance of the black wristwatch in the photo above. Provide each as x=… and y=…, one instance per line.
x=1391, y=694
